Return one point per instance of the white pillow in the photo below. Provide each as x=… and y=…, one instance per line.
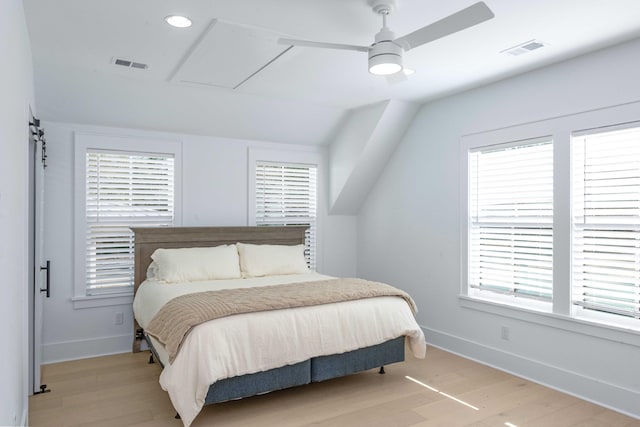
x=193, y=264
x=267, y=260
x=152, y=271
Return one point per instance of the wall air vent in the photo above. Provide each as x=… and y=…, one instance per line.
x=129, y=64
x=525, y=47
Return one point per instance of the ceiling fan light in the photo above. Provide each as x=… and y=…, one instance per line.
x=385, y=65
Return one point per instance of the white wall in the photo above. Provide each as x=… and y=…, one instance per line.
x=16, y=87
x=408, y=229
x=214, y=192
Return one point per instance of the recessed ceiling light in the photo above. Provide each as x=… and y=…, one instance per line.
x=178, y=21
x=408, y=71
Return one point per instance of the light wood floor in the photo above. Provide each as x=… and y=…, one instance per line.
x=123, y=390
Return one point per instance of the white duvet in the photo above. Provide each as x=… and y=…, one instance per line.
x=255, y=342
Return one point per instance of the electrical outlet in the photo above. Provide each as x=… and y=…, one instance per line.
x=504, y=333
x=118, y=318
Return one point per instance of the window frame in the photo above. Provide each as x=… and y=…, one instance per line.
x=293, y=157
x=312, y=230
x=581, y=222
x=511, y=221
x=83, y=143
x=562, y=313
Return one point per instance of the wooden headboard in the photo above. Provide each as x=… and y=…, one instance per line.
x=148, y=239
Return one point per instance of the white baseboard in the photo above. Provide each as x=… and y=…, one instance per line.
x=82, y=349
x=597, y=391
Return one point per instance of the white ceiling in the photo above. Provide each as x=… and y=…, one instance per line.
x=302, y=96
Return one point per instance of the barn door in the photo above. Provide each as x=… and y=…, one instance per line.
x=40, y=271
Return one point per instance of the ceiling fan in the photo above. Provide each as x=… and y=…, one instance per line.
x=385, y=54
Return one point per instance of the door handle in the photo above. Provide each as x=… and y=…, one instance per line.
x=48, y=288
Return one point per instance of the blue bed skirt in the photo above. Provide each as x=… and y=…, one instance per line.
x=313, y=370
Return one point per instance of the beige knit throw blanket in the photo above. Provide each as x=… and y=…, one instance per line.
x=177, y=317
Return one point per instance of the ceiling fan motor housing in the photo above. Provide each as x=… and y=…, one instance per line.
x=385, y=51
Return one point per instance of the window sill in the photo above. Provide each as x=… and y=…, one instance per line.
x=620, y=334
x=92, y=301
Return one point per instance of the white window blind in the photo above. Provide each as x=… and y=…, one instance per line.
x=122, y=190
x=511, y=219
x=286, y=195
x=606, y=221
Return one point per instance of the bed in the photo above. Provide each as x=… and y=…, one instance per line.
x=247, y=354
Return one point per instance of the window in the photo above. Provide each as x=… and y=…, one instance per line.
x=550, y=226
x=511, y=219
x=606, y=221
x=285, y=194
x=122, y=190
x=120, y=181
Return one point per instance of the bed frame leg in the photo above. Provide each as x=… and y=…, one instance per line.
x=177, y=417
x=151, y=360
x=381, y=371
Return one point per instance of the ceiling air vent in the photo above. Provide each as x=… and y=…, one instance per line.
x=525, y=47
x=130, y=64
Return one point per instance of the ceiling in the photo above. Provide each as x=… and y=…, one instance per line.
x=191, y=83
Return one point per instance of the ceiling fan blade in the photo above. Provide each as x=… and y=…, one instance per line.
x=396, y=78
x=307, y=43
x=472, y=15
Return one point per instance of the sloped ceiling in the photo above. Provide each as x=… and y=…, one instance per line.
x=361, y=149
x=298, y=96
